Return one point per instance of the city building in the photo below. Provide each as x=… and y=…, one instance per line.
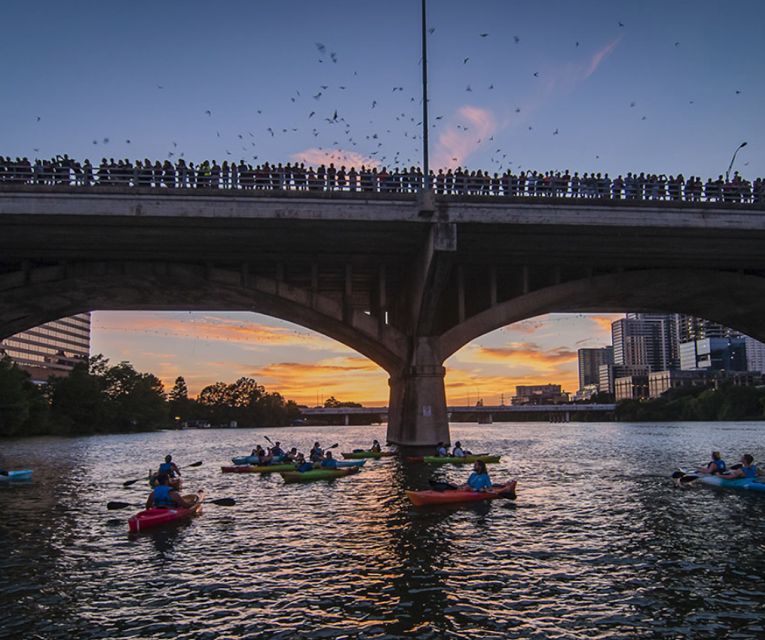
x=714, y=354
x=608, y=373
x=52, y=349
x=631, y=387
x=660, y=382
x=539, y=394
x=641, y=342
x=589, y=364
x=755, y=354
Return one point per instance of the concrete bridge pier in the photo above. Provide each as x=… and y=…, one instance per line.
x=417, y=413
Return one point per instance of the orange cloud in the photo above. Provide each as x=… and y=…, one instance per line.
x=456, y=144
x=518, y=355
x=215, y=329
x=315, y=156
x=603, y=323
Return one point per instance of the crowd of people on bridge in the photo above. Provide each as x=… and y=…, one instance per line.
x=63, y=170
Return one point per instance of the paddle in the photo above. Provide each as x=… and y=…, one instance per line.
x=685, y=478
x=128, y=483
x=441, y=486
x=269, y=440
x=221, y=502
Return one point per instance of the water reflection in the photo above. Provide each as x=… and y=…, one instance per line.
x=599, y=545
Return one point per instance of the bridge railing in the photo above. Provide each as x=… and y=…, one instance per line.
x=295, y=178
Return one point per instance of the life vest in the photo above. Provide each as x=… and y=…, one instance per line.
x=162, y=499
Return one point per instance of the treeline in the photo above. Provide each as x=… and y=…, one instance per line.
x=728, y=402
x=98, y=397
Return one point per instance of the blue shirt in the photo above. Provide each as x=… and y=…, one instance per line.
x=750, y=471
x=478, y=481
x=166, y=468
x=162, y=499
x=306, y=466
x=442, y=452
x=329, y=464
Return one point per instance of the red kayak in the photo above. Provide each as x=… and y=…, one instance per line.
x=152, y=518
x=450, y=496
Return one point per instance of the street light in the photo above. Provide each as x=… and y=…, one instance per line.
x=732, y=160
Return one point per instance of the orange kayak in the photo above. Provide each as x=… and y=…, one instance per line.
x=451, y=496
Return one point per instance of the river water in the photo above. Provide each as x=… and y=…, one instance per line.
x=599, y=544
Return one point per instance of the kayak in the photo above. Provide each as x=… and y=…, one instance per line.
x=356, y=455
x=451, y=496
x=317, y=474
x=483, y=457
x=741, y=484
x=345, y=464
x=263, y=468
x=153, y=518
x=21, y=474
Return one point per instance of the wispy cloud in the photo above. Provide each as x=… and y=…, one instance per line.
x=599, y=56
x=315, y=156
x=518, y=354
x=603, y=323
x=215, y=329
x=470, y=127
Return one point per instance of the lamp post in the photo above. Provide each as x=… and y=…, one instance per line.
x=425, y=162
x=732, y=160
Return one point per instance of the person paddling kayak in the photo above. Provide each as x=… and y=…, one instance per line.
x=169, y=468
x=302, y=464
x=747, y=469
x=716, y=466
x=441, y=450
x=329, y=462
x=277, y=451
x=317, y=453
x=164, y=496
x=479, y=480
x=375, y=448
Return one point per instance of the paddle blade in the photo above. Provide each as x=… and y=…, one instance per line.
x=127, y=483
x=196, y=464
x=334, y=446
x=111, y=506
x=508, y=495
x=688, y=478
x=441, y=486
x=269, y=439
x=223, y=502
x=678, y=474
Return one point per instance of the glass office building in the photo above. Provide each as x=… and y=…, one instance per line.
x=52, y=349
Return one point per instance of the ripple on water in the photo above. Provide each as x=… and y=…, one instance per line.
x=599, y=544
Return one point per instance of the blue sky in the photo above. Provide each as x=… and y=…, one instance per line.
x=662, y=87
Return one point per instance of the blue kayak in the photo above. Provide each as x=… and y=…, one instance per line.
x=740, y=484
x=25, y=474
x=254, y=460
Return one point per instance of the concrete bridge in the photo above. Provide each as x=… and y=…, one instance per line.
x=484, y=414
x=405, y=281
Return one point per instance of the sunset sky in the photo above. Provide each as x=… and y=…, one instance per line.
x=655, y=86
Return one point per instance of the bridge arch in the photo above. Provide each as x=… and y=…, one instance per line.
x=733, y=299
x=49, y=293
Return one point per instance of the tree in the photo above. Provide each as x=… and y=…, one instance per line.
x=334, y=403
x=180, y=406
x=23, y=409
x=78, y=402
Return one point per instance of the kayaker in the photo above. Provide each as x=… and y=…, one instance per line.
x=441, y=450
x=479, y=480
x=457, y=452
x=747, y=469
x=164, y=496
x=329, y=462
x=375, y=448
x=291, y=455
x=277, y=451
x=717, y=465
x=302, y=464
x=169, y=468
x=317, y=453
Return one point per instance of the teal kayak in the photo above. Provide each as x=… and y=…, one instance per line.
x=317, y=474
x=740, y=484
x=25, y=474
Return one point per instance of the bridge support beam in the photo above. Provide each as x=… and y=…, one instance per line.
x=417, y=414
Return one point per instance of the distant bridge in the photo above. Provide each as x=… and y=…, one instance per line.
x=484, y=414
x=405, y=280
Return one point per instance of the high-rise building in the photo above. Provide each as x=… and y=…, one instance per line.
x=589, y=364
x=642, y=342
x=755, y=354
x=52, y=349
x=714, y=354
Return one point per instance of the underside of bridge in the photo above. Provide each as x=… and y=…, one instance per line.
x=407, y=290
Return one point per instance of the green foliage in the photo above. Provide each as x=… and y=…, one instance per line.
x=23, y=408
x=706, y=404
x=333, y=403
x=245, y=402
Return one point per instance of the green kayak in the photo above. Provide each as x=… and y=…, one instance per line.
x=464, y=460
x=317, y=474
x=357, y=455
